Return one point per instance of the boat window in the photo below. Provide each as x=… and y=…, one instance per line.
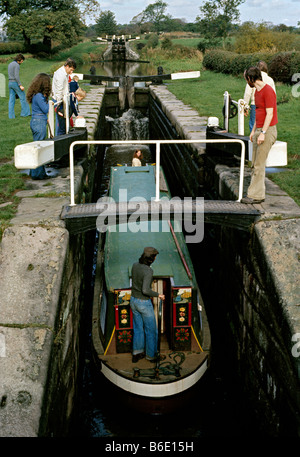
x=133, y=170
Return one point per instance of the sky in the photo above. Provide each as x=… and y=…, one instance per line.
x=276, y=11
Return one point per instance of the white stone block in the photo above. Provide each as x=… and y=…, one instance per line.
x=213, y=122
x=33, y=155
x=80, y=122
x=277, y=156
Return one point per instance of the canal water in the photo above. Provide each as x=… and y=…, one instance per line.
x=218, y=408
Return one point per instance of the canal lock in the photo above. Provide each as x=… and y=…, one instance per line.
x=237, y=289
x=251, y=331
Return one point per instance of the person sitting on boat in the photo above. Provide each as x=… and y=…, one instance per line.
x=145, y=333
x=137, y=157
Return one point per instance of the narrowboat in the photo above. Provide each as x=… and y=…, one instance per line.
x=184, y=335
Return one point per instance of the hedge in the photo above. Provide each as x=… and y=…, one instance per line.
x=12, y=47
x=281, y=66
x=284, y=65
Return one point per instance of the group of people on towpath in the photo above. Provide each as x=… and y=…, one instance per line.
x=38, y=94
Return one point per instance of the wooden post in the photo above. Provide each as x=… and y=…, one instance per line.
x=122, y=92
x=130, y=91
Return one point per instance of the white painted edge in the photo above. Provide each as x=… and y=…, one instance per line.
x=80, y=75
x=185, y=75
x=153, y=390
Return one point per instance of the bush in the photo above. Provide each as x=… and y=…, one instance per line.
x=166, y=43
x=253, y=38
x=230, y=62
x=12, y=47
x=201, y=46
x=140, y=46
x=153, y=41
x=295, y=63
x=284, y=65
x=281, y=66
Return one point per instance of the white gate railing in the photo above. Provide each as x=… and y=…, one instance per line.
x=157, y=143
x=241, y=107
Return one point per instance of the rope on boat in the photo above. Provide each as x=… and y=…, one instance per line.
x=165, y=368
x=180, y=251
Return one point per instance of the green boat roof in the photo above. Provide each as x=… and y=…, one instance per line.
x=125, y=245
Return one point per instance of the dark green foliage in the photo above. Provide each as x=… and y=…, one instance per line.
x=166, y=43
x=153, y=40
x=284, y=65
x=201, y=46
x=12, y=47
x=281, y=66
x=230, y=62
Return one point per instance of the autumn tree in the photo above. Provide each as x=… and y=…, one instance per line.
x=260, y=37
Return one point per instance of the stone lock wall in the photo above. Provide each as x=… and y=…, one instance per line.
x=258, y=274
x=42, y=282
x=260, y=314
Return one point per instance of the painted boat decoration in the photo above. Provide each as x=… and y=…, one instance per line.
x=184, y=336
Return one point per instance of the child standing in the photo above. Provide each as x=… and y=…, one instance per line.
x=79, y=95
x=38, y=95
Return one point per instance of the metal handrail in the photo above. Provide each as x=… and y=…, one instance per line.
x=157, y=143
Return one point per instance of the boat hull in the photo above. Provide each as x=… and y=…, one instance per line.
x=150, y=398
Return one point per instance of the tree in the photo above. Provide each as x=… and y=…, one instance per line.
x=155, y=13
x=106, y=23
x=217, y=17
x=62, y=20
x=261, y=38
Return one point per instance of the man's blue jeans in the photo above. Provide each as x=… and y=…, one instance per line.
x=38, y=127
x=60, y=125
x=13, y=90
x=144, y=327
